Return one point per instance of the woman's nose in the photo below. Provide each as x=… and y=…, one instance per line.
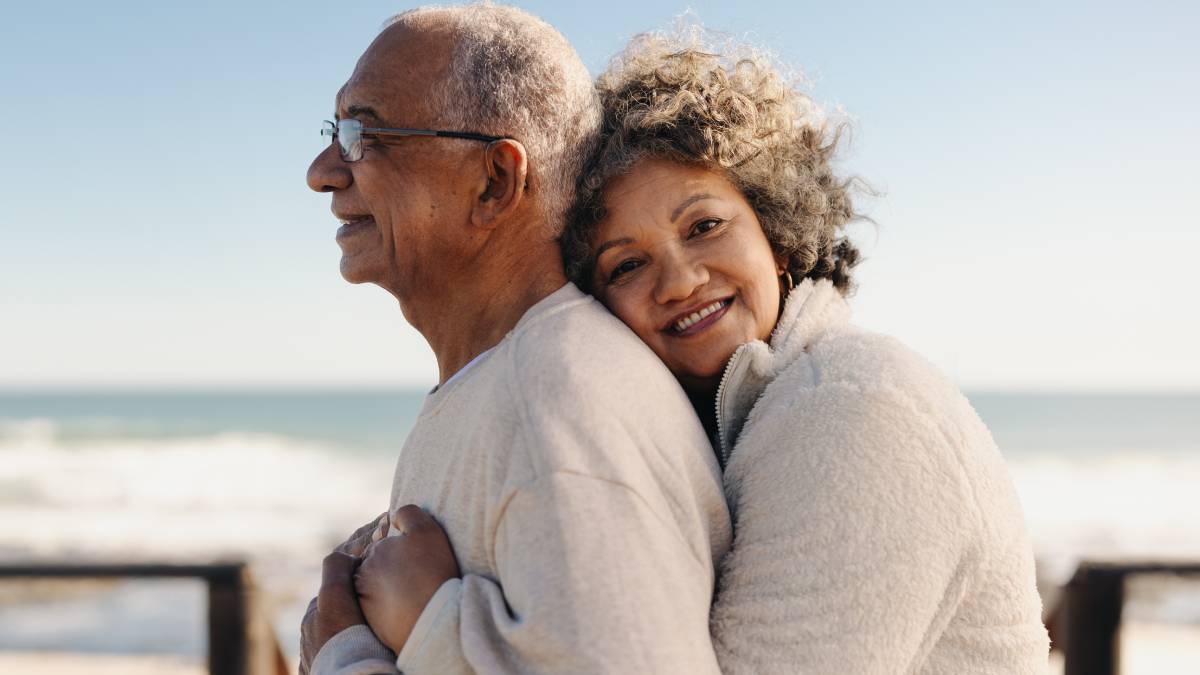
x=328, y=172
x=679, y=278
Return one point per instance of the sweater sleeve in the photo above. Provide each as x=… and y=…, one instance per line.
x=354, y=651
x=591, y=580
x=855, y=536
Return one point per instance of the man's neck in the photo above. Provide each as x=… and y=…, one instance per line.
x=479, y=308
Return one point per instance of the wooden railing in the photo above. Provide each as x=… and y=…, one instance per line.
x=1087, y=622
x=1085, y=625
x=240, y=639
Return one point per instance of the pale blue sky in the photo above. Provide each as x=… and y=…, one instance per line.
x=1036, y=230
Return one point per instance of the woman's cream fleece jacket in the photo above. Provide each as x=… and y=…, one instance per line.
x=876, y=527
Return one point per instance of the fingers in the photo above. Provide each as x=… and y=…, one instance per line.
x=381, y=531
x=357, y=542
x=337, y=602
x=307, y=637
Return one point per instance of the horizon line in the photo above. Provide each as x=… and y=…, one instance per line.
x=15, y=389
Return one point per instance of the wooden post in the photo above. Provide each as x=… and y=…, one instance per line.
x=1094, y=597
x=227, y=621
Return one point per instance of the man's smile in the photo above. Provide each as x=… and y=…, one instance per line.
x=353, y=224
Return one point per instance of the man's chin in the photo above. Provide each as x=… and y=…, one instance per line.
x=355, y=272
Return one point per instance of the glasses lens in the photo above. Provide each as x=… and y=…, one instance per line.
x=349, y=136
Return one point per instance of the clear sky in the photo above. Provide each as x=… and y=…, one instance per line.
x=1037, y=163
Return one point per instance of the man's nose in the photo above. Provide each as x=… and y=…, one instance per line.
x=679, y=277
x=328, y=172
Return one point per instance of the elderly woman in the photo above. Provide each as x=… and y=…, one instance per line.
x=876, y=527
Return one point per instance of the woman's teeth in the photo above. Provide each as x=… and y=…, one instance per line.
x=691, y=319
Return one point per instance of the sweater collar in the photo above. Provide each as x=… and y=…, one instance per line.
x=811, y=310
x=559, y=298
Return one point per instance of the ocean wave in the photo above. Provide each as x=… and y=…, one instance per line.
x=226, y=493
x=233, y=491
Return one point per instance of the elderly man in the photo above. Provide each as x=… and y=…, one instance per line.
x=578, y=490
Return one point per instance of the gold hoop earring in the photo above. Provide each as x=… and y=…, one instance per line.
x=787, y=277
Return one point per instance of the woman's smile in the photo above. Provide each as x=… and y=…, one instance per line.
x=693, y=323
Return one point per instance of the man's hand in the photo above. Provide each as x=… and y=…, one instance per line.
x=333, y=610
x=332, y=606
x=401, y=573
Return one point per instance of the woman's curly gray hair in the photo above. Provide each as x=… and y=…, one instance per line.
x=667, y=98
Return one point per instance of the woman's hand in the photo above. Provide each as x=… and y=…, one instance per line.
x=401, y=573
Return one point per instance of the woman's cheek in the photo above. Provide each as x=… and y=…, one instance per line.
x=619, y=305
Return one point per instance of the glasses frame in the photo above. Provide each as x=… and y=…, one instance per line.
x=353, y=151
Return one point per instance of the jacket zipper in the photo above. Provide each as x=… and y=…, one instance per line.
x=722, y=445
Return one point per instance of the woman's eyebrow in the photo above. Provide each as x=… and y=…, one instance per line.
x=686, y=203
x=609, y=244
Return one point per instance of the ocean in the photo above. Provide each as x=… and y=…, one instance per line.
x=279, y=478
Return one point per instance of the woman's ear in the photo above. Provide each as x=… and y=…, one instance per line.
x=781, y=263
x=507, y=175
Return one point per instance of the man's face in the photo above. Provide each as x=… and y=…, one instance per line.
x=404, y=204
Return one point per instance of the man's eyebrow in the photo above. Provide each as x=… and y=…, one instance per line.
x=686, y=203
x=610, y=244
x=362, y=111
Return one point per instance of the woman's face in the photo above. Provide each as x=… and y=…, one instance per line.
x=682, y=259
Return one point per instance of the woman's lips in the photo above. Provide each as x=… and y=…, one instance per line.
x=699, y=320
x=351, y=226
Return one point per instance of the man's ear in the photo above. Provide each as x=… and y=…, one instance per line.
x=507, y=169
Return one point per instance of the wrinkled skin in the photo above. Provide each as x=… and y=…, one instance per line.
x=401, y=573
x=384, y=582
x=336, y=606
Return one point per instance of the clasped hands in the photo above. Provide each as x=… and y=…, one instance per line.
x=380, y=580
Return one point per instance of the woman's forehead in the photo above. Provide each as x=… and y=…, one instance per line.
x=664, y=187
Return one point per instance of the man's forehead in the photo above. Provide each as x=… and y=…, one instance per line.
x=371, y=97
x=395, y=74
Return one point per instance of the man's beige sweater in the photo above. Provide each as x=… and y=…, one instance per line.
x=582, y=499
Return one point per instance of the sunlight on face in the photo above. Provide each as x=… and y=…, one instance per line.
x=401, y=202
x=682, y=259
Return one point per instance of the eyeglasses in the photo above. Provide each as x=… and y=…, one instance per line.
x=349, y=134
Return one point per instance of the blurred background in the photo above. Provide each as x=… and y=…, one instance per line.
x=185, y=377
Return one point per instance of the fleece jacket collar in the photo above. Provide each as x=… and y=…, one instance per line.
x=812, y=309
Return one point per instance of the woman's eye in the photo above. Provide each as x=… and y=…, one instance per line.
x=705, y=226
x=622, y=268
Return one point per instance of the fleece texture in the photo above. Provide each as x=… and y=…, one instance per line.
x=876, y=527
x=582, y=499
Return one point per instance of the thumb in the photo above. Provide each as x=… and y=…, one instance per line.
x=338, y=568
x=337, y=602
x=411, y=518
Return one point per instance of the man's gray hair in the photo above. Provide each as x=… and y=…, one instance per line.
x=512, y=74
